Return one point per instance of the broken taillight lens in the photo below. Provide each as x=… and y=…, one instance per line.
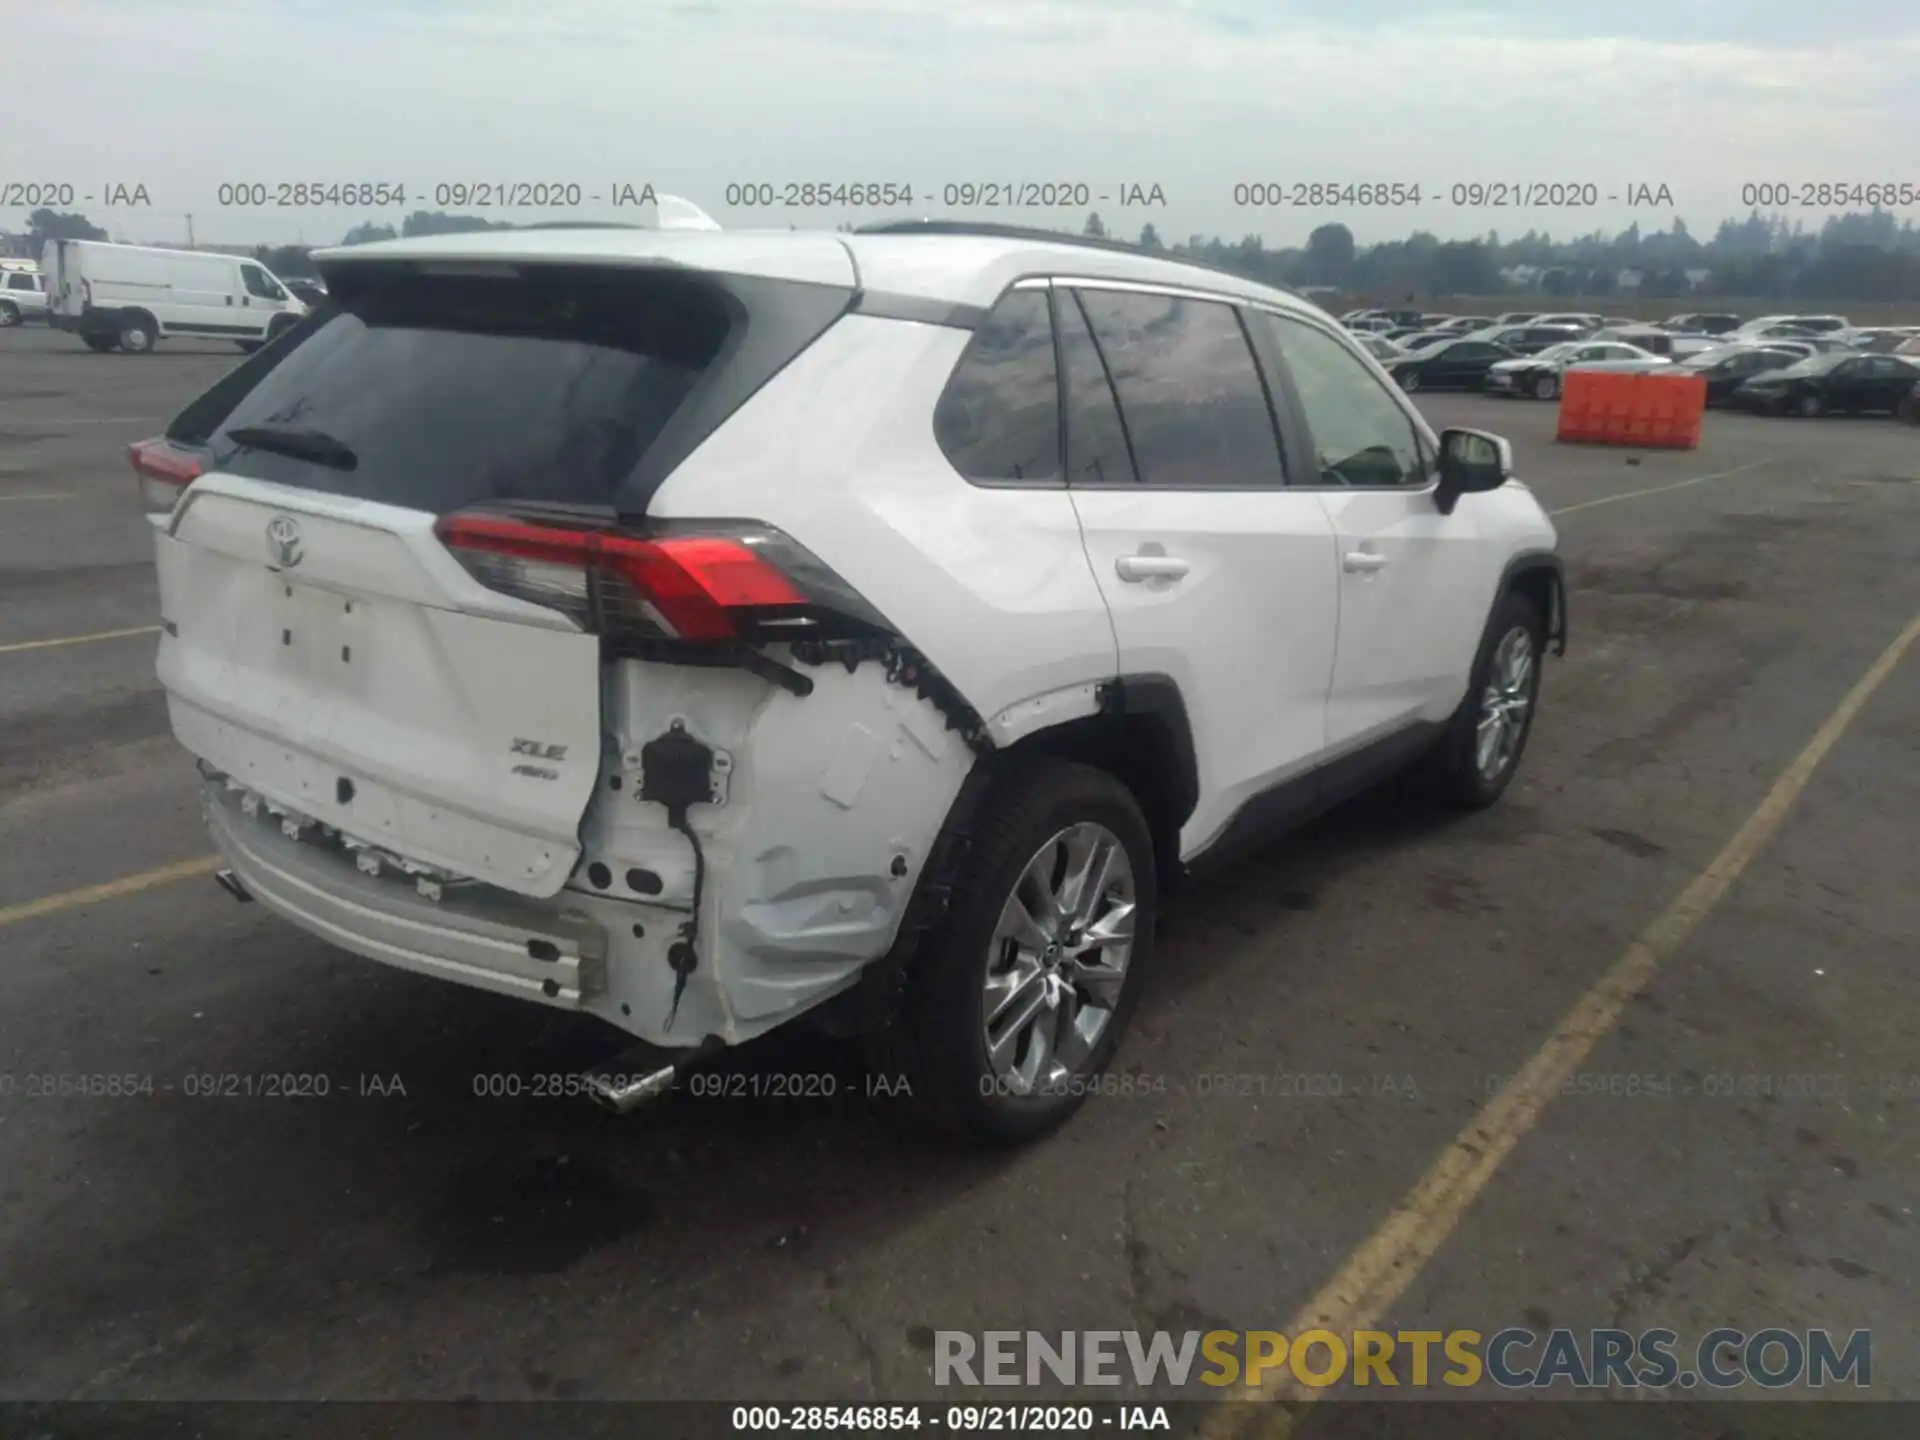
x=682, y=583
x=165, y=470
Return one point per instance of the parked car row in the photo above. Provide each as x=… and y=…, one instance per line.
x=1677, y=335
x=1832, y=384
x=1774, y=364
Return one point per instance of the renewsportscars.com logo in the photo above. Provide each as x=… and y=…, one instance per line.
x=1511, y=1359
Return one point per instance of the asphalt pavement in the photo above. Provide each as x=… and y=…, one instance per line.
x=1323, y=1022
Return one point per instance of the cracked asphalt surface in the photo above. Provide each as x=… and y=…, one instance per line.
x=1322, y=1019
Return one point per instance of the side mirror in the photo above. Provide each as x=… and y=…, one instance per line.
x=1471, y=461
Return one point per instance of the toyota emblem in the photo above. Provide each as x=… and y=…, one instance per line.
x=283, y=542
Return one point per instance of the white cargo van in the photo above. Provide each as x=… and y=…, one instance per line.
x=130, y=297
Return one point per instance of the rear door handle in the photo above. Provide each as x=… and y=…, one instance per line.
x=1364, y=562
x=1135, y=568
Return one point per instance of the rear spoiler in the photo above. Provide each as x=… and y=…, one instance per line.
x=676, y=214
x=670, y=213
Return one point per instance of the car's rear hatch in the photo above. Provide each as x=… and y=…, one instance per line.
x=322, y=646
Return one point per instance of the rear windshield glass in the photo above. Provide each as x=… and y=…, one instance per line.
x=444, y=391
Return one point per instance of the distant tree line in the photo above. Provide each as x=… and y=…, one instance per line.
x=1869, y=256
x=1859, y=256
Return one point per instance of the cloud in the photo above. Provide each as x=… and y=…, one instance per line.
x=1196, y=97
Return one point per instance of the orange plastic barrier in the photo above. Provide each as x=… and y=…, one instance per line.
x=1638, y=408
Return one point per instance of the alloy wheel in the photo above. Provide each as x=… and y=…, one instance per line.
x=1504, y=704
x=1057, y=961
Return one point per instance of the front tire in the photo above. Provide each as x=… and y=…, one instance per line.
x=9, y=314
x=1547, y=387
x=1480, y=752
x=1811, y=407
x=1410, y=381
x=137, y=335
x=1015, y=1003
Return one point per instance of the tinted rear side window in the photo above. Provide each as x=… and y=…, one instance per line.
x=1190, y=391
x=550, y=386
x=999, y=417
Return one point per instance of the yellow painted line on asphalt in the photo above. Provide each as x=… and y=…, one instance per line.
x=111, y=890
x=1377, y=1273
x=1659, y=489
x=79, y=639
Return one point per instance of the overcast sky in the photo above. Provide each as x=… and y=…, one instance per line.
x=1702, y=96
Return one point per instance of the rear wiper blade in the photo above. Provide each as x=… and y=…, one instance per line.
x=314, y=445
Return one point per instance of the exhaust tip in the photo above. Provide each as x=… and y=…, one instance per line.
x=637, y=1074
x=621, y=1093
x=234, y=886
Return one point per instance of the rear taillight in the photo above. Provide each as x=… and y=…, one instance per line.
x=681, y=583
x=165, y=471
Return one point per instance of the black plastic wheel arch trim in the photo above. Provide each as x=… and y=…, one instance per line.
x=1157, y=698
x=1532, y=561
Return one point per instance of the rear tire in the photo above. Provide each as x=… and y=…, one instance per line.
x=1476, y=759
x=101, y=344
x=138, y=335
x=1014, y=943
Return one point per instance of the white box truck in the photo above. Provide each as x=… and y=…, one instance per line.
x=131, y=297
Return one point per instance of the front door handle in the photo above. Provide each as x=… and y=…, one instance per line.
x=1364, y=562
x=1134, y=568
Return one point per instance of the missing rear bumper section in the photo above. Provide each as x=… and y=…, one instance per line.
x=476, y=935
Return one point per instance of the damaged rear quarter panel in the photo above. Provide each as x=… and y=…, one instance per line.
x=825, y=798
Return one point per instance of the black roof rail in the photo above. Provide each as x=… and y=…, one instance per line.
x=1060, y=237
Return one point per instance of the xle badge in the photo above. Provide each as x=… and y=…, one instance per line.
x=538, y=751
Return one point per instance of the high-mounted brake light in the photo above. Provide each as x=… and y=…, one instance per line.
x=165, y=471
x=718, y=583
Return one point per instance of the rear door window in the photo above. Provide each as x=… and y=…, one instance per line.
x=1191, y=393
x=446, y=391
x=998, y=420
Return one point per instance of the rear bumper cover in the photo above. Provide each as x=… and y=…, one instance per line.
x=476, y=936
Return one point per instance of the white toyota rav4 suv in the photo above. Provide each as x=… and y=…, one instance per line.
x=702, y=630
